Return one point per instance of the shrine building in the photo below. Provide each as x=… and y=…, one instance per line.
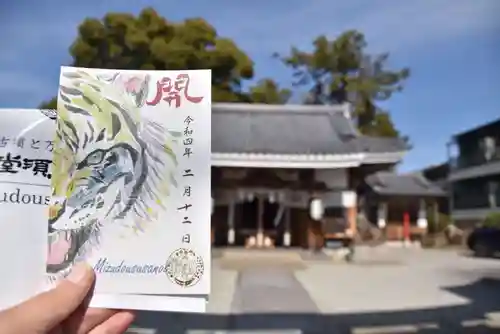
x=293, y=175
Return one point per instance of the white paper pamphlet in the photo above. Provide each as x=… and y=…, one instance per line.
x=25, y=159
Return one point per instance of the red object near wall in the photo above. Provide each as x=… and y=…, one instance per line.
x=406, y=226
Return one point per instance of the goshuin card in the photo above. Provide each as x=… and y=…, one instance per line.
x=130, y=191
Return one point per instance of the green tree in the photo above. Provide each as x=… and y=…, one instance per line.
x=268, y=91
x=340, y=70
x=51, y=104
x=150, y=42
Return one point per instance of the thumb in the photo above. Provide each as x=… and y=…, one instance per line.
x=43, y=312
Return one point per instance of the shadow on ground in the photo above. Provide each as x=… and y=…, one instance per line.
x=484, y=297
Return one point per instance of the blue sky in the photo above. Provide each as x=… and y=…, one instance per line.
x=451, y=46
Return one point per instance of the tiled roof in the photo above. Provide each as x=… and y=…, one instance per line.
x=387, y=183
x=289, y=129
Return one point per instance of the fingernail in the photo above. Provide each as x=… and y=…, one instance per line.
x=78, y=273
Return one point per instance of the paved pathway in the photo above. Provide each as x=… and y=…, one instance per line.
x=385, y=291
x=270, y=291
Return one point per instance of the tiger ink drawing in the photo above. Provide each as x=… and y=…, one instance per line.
x=119, y=160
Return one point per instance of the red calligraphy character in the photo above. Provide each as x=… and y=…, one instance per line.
x=168, y=91
x=163, y=91
x=182, y=83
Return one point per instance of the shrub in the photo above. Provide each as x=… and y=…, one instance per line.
x=492, y=220
x=437, y=227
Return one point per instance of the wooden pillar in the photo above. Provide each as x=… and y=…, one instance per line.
x=350, y=202
x=311, y=239
x=260, y=221
x=315, y=235
x=287, y=238
x=352, y=216
x=230, y=222
x=435, y=206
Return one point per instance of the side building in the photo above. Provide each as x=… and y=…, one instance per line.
x=438, y=175
x=474, y=174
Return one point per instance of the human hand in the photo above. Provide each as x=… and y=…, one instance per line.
x=64, y=309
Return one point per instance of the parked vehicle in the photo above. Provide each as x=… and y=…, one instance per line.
x=484, y=241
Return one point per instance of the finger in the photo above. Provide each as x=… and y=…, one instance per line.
x=75, y=320
x=93, y=318
x=57, y=330
x=48, y=309
x=117, y=324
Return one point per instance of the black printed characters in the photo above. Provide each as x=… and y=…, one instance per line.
x=13, y=164
x=188, y=151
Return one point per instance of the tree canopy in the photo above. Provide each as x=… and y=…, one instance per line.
x=340, y=70
x=336, y=70
x=150, y=42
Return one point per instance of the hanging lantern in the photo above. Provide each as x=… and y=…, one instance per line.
x=422, y=222
x=316, y=209
x=272, y=198
x=382, y=215
x=422, y=215
x=381, y=223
